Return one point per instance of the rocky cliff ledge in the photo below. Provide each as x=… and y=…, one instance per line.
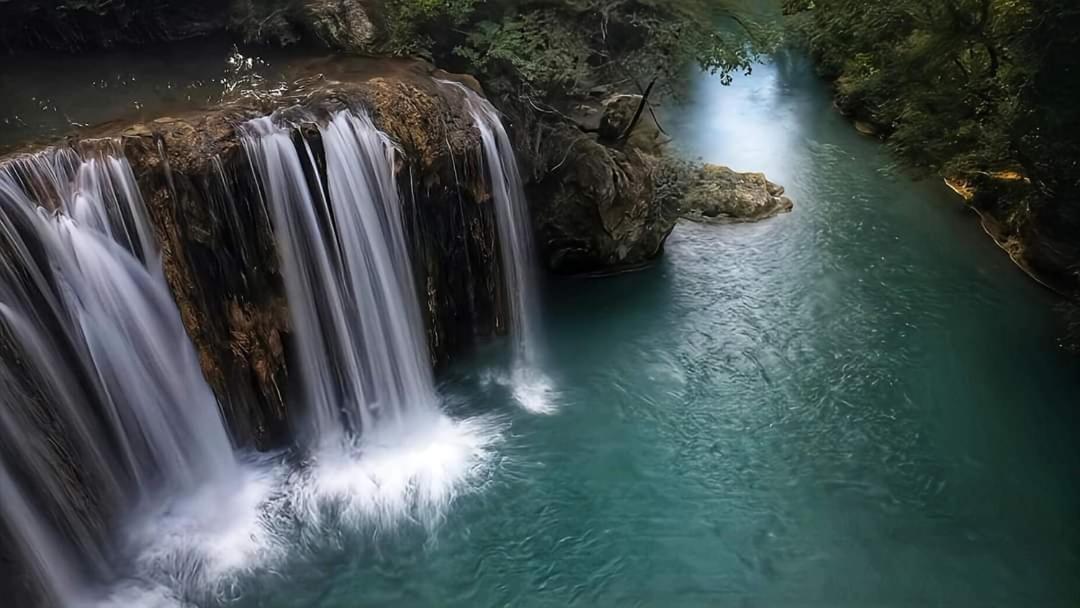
x=219, y=252
x=606, y=193
x=599, y=202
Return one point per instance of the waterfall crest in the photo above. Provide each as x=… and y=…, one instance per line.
x=516, y=248
x=105, y=407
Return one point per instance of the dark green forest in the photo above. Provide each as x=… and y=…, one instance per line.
x=980, y=91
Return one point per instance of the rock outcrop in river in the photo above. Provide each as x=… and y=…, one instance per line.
x=718, y=195
x=608, y=193
x=604, y=196
x=599, y=208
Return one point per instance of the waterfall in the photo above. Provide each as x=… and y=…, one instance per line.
x=347, y=274
x=382, y=448
x=516, y=248
x=516, y=251
x=105, y=417
x=104, y=405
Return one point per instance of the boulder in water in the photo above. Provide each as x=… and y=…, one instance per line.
x=719, y=195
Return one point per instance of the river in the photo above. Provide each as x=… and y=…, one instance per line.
x=861, y=403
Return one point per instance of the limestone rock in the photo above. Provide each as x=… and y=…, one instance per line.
x=720, y=195
x=617, y=114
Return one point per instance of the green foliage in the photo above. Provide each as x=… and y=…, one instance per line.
x=718, y=36
x=945, y=78
x=535, y=47
x=546, y=47
x=416, y=26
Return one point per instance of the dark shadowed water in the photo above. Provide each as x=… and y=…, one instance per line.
x=861, y=403
x=46, y=95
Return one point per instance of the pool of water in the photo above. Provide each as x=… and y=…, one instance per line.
x=861, y=403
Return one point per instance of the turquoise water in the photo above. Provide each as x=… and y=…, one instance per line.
x=861, y=403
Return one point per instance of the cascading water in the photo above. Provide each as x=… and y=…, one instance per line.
x=516, y=251
x=105, y=407
x=347, y=275
x=381, y=443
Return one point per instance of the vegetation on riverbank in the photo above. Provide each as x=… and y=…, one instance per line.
x=560, y=48
x=981, y=91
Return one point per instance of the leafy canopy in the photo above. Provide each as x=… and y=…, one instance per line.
x=567, y=46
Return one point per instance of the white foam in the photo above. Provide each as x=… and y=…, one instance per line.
x=530, y=388
x=395, y=473
x=137, y=595
x=205, y=546
x=203, y=543
x=533, y=390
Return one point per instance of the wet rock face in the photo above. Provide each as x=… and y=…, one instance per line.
x=719, y=195
x=599, y=210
